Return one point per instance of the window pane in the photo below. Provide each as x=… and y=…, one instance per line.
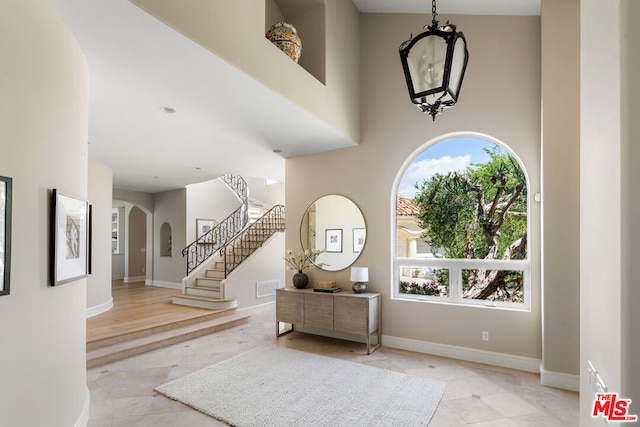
x=424, y=281
x=464, y=198
x=493, y=285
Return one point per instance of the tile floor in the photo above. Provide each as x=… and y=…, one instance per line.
x=122, y=393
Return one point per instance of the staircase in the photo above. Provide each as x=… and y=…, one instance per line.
x=230, y=245
x=207, y=292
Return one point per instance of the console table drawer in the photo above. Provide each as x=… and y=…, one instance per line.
x=290, y=307
x=348, y=315
x=318, y=311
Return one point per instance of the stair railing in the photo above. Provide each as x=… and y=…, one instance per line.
x=209, y=243
x=235, y=251
x=238, y=185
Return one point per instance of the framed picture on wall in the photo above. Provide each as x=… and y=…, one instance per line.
x=6, y=192
x=69, y=238
x=359, y=236
x=333, y=240
x=203, y=226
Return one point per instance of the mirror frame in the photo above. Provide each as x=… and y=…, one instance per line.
x=345, y=235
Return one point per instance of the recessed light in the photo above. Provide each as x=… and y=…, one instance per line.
x=197, y=168
x=156, y=177
x=167, y=110
x=277, y=151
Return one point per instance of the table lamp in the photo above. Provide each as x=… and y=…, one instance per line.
x=359, y=275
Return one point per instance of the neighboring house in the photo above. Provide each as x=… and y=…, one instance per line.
x=410, y=241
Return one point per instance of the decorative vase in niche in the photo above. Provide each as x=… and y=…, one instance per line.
x=286, y=38
x=300, y=280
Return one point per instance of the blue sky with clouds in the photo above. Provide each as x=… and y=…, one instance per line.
x=450, y=155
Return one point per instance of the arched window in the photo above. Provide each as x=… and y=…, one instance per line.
x=461, y=225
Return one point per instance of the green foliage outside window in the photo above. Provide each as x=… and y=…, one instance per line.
x=480, y=213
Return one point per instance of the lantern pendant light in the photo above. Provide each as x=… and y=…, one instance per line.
x=434, y=63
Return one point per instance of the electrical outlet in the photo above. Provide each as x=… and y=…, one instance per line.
x=485, y=336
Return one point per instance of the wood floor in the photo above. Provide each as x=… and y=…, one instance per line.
x=138, y=307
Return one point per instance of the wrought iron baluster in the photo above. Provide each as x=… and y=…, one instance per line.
x=205, y=246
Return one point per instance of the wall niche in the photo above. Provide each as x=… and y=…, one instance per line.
x=308, y=18
x=165, y=240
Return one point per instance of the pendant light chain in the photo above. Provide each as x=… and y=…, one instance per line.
x=434, y=14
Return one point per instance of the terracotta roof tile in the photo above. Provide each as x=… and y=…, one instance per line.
x=406, y=207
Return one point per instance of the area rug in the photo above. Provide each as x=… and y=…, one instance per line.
x=275, y=386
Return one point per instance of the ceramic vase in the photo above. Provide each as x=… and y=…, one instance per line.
x=286, y=38
x=300, y=280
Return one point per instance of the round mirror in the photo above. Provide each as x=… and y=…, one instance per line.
x=335, y=225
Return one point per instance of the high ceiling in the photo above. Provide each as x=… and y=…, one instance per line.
x=229, y=123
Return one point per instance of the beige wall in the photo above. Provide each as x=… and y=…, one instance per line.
x=100, y=196
x=270, y=194
x=630, y=154
x=211, y=24
x=264, y=265
x=500, y=97
x=43, y=135
x=208, y=200
x=561, y=183
x=609, y=202
x=170, y=207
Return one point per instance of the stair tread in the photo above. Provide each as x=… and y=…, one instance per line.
x=204, y=287
x=211, y=286
x=164, y=335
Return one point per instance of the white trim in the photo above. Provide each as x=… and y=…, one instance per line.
x=100, y=308
x=253, y=307
x=163, y=284
x=559, y=380
x=511, y=361
x=83, y=419
x=134, y=279
x=455, y=280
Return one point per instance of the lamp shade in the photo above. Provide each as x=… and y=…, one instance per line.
x=359, y=274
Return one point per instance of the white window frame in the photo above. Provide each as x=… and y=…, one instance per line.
x=456, y=265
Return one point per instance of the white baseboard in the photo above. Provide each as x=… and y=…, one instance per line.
x=511, y=361
x=101, y=308
x=559, y=380
x=134, y=279
x=83, y=419
x=162, y=284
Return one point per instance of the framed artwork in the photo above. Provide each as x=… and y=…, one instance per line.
x=359, y=237
x=333, y=240
x=69, y=238
x=6, y=192
x=202, y=227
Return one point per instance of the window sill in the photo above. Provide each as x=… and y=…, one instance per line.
x=475, y=304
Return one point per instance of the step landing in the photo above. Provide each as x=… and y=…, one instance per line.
x=130, y=344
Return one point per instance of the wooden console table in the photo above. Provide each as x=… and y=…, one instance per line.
x=343, y=311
